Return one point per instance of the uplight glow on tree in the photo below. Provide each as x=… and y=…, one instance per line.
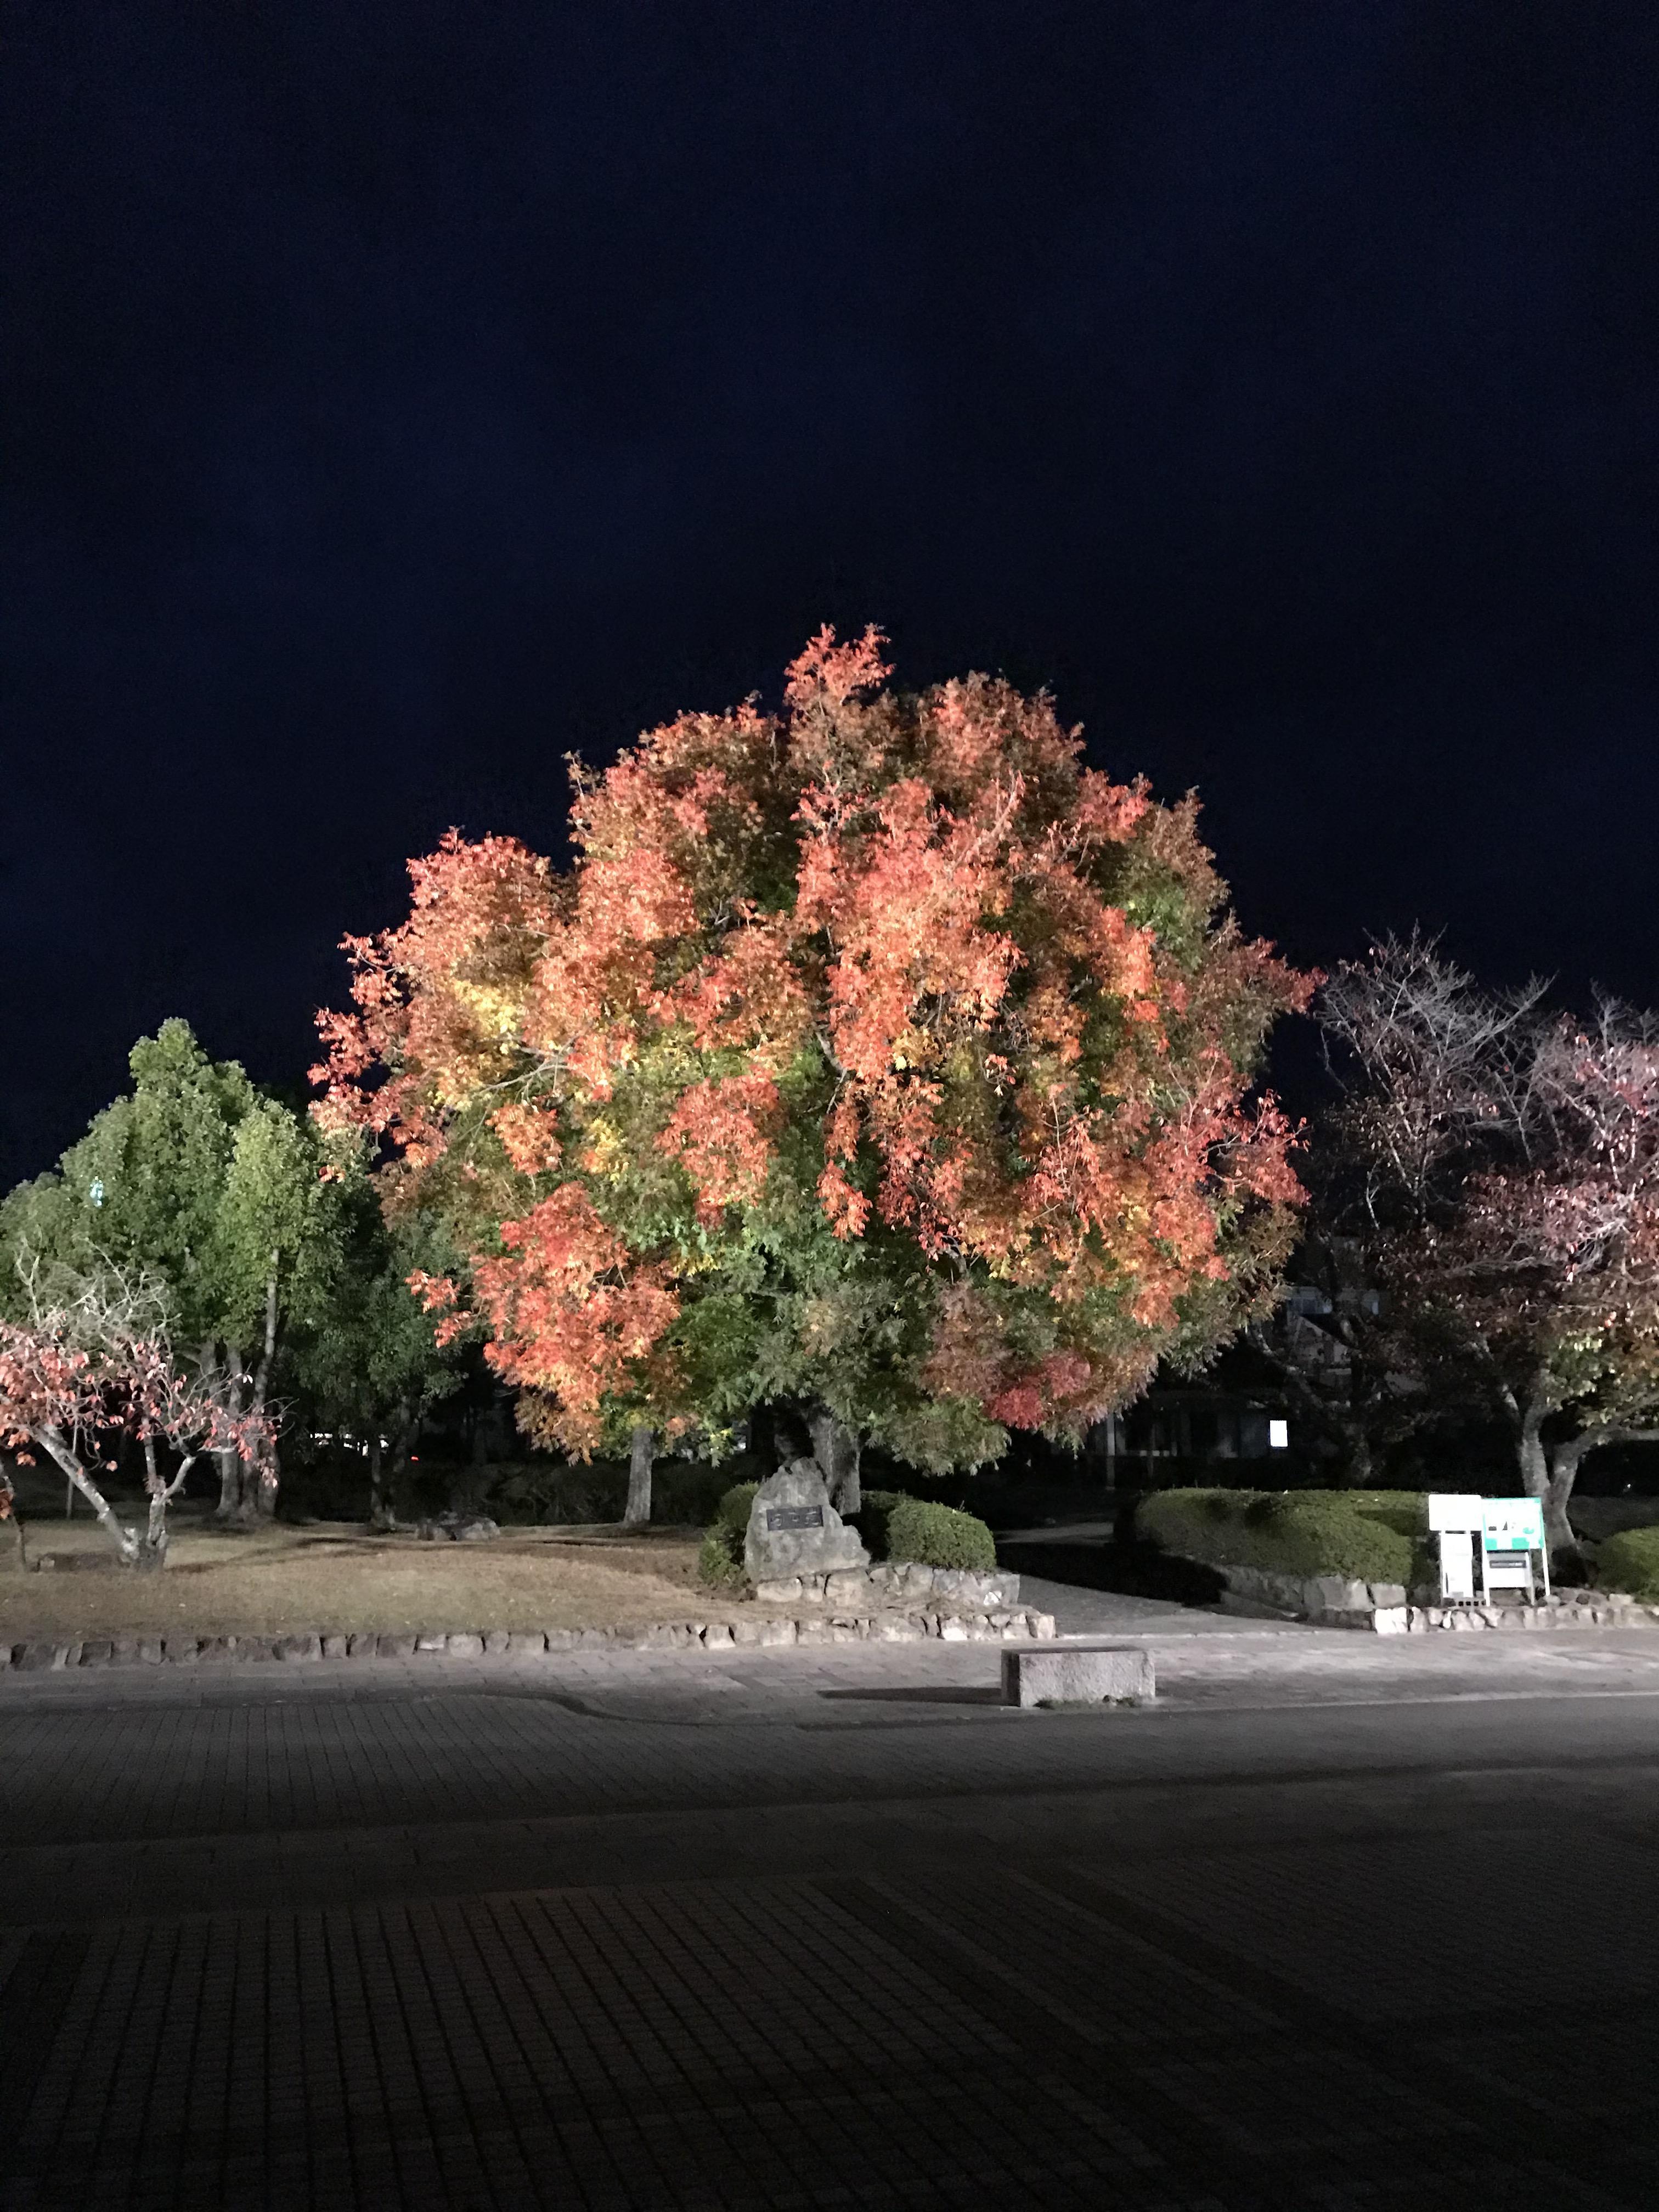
x=878, y=1055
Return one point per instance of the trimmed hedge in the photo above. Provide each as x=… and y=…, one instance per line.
x=895, y=1526
x=938, y=1536
x=1363, y=1536
x=890, y=1525
x=1629, y=1561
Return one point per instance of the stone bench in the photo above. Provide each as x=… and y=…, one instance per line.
x=1079, y=1674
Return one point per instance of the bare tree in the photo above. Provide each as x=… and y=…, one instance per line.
x=1496, y=1166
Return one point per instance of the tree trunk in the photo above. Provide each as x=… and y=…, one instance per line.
x=1529, y=1452
x=207, y=1364
x=236, y=1506
x=230, y=1486
x=1548, y=1477
x=1565, y=1462
x=404, y=1455
x=837, y=1452
x=126, y=1541
x=1557, y=1529
x=641, y=1453
x=153, y=1550
x=762, y=1439
x=259, y=1476
x=14, y=1521
x=384, y=1483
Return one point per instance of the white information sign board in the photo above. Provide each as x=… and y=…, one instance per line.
x=1511, y=1533
x=1512, y=1524
x=1456, y=1567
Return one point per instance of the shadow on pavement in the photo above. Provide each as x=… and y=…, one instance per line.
x=1130, y=1569
x=948, y=1693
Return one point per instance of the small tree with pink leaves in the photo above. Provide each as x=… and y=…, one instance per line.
x=92, y=1363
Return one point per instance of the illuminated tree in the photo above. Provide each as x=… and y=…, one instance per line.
x=198, y=1184
x=91, y=1363
x=1498, y=1167
x=366, y=1363
x=877, y=1054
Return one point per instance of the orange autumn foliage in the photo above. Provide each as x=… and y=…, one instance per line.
x=880, y=1007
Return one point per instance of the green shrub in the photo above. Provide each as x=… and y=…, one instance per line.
x=895, y=1526
x=890, y=1525
x=1363, y=1536
x=1629, y=1561
x=719, y=1558
x=733, y=1510
x=938, y=1536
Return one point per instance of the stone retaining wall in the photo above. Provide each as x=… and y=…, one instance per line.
x=1572, y=1609
x=998, y=1626
x=1328, y=1600
x=901, y=1581
x=1386, y=1609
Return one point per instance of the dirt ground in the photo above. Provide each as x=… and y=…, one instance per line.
x=332, y=1575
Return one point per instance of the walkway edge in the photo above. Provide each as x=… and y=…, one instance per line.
x=39, y=1656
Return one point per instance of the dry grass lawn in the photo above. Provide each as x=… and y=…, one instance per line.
x=332, y=1575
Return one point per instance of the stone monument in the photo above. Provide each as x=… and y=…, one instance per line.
x=793, y=1529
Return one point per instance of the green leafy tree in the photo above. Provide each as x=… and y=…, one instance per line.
x=215, y=1194
x=368, y=1364
x=878, y=1055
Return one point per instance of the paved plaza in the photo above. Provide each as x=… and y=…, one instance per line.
x=1343, y=1922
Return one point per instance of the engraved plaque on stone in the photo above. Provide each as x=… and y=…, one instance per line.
x=793, y=1529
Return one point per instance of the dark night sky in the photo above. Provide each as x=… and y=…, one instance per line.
x=399, y=393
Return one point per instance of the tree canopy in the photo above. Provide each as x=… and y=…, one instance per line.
x=365, y=1362
x=91, y=1363
x=212, y=1193
x=1497, y=1164
x=193, y=1175
x=876, y=1054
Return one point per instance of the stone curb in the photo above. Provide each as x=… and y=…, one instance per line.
x=1599, y=1612
x=1386, y=1609
x=38, y=1656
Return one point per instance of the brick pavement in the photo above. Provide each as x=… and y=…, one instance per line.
x=833, y=1929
